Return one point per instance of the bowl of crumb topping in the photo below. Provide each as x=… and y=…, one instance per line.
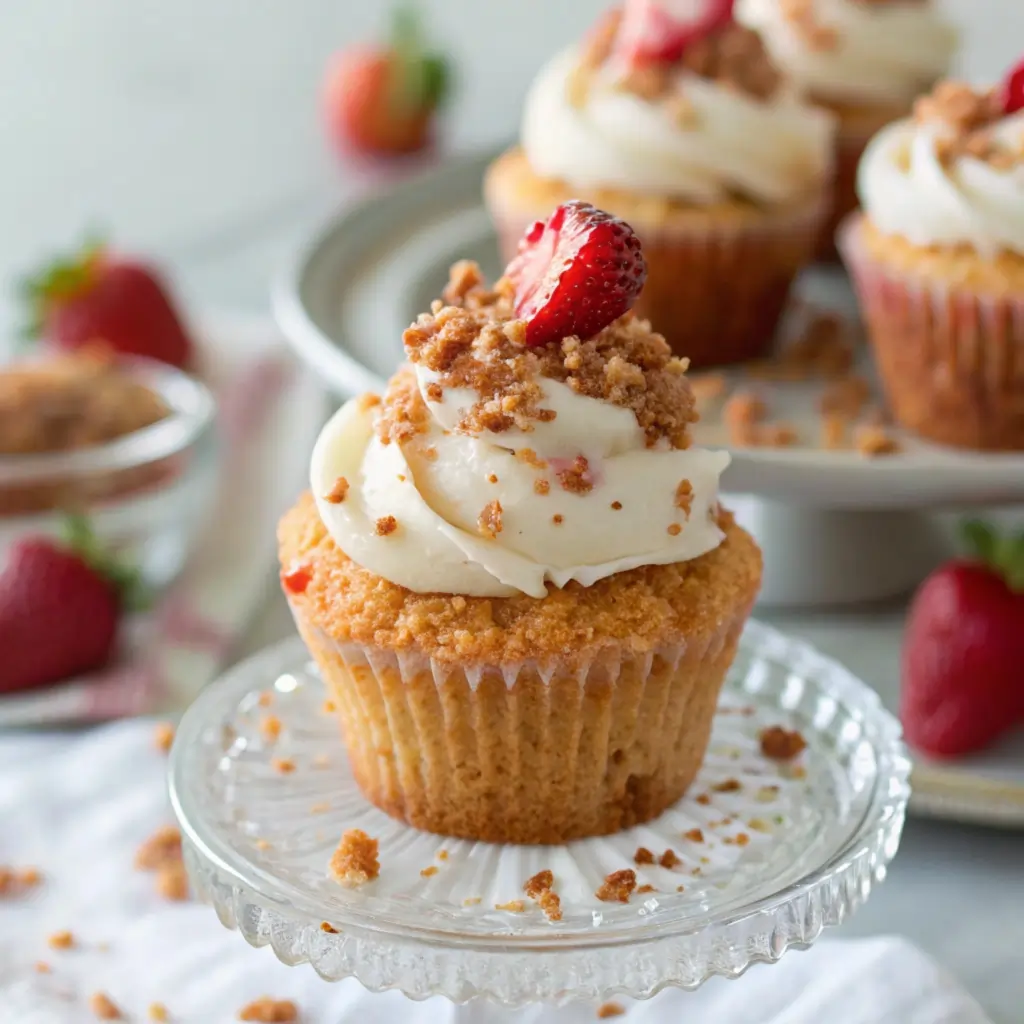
x=129, y=442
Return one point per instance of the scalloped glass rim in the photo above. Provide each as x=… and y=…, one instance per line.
x=636, y=957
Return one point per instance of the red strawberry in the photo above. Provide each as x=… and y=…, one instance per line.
x=1013, y=90
x=964, y=648
x=95, y=297
x=59, y=609
x=661, y=30
x=383, y=99
x=576, y=273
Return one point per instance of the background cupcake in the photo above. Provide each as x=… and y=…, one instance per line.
x=682, y=127
x=513, y=572
x=864, y=60
x=938, y=262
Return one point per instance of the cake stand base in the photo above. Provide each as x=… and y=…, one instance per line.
x=819, y=556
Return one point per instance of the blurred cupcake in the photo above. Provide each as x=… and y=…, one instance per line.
x=513, y=571
x=864, y=60
x=682, y=127
x=937, y=258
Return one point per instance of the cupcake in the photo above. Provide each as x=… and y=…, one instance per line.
x=866, y=61
x=937, y=258
x=683, y=128
x=512, y=570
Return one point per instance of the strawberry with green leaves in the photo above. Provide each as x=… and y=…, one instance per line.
x=96, y=297
x=382, y=99
x=61, y=604
x=963, y=652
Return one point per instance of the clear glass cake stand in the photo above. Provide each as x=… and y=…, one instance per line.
x=782, y=851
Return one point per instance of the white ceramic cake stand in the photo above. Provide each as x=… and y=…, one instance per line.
x=836, y=528
x=784, y=851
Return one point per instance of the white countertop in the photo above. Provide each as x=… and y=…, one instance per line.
x=191, y=130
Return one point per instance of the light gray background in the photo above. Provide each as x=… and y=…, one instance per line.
x=191, y=129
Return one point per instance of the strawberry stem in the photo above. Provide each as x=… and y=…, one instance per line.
x=1002, y=553
x=423, y=77
x=79, y=535
x=63, y=278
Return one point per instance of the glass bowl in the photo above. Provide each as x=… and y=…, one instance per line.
x=768, y=854
x=145, y=493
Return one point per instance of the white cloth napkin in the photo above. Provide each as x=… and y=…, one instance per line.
x=77, y=807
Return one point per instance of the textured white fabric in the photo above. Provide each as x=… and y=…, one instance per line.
x=78, y=806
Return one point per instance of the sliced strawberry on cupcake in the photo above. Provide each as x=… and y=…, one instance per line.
x=576, y=273
x=382, y=99
x=61, y=606
x=99, y=297
x=660, y=31
x=964, y=648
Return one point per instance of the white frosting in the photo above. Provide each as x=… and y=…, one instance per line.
x=438, y=546
x=884, y=53
x=906, y=190
x=771, y=151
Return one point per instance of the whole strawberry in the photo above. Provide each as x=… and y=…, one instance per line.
x=963, y=652
x=60, y=606
x=98, y=297
x=575, y=273
x=382, y=99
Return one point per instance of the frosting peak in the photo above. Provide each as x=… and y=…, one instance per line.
x=498, y=469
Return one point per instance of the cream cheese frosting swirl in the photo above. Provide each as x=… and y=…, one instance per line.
x=856, y=51
x=909, y=186
x=577, y=490
x=771, y=150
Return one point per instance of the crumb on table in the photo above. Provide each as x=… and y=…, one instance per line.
x=163, y=736
x=61, y=940
x=266, y=1010
x=162, y=847
x=617, y=887
x=158, y=1012
x=354, y=862
x=103, y=1007
x=643, y=856
x=875, y=440
x=172, y=881
x=606, y=1010
x=512, y=906
x=669, y=859
x=781, y=744
x=283, y=765
x=270, y=727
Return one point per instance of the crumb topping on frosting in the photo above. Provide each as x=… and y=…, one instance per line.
x=967, y=116
x=476, y=342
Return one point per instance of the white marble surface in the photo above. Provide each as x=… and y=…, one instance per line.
x=191, y=130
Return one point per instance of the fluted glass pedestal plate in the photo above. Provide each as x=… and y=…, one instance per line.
x=769, y=853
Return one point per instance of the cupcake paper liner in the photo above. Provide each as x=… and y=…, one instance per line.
x=951, y=360
x=716, y=292
x=528, y=753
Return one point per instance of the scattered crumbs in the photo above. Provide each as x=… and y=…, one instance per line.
x=530, y=458
x=284, y=765
x=321, y=808
x=158, y=1012
x=329, y=707
x=708, y=385
x=644, y=889
x=557, y=520
x=674, y=530
x=442, y=854
x=617, y=506
x=27, y=878
x=874, y=441
x=694, y=835
x=42, y=967
x=61, y=940
x=326, y=926
x=680, y=888
x=172, y=881
x=262, y=844
x=703, y=799
x=696, y=872
x=606, y=1010
x=265, y=699
x=492, y=478
x=321, y=761
x=541, y=486
x=162, y=847
x=643, y=856
x=743, y=409
x=705, y=860
x=337, y=494
x=430, y=454
x=551, y=904
x=759, y=825
x=513, y=906
x=434, y=393
x=354, y=862
x=270, y=726
x=538, y=883
x=163, y=736
x=617, y=887
x=576, y=478
x=270, y=1011
x=781, y=744
x=684, y=497
x=428, y=872
x=793, y=771
x=103, y=1007
x=489, y=521
x=767, y=794
x=669, y=859
x=742, y=839
x=728, y=786
x=472, y=901
x=385, y=526
x=401, y=478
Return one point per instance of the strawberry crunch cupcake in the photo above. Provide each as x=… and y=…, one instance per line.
x=512, y=570
x=865, y=61
x=937, y=258
x=679, y=123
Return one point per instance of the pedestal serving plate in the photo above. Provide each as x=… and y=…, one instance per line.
x=769, y=853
